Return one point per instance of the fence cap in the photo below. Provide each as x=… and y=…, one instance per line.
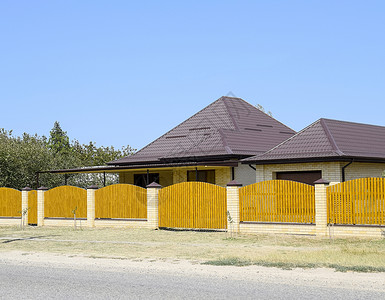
x=27, y=188
x=234, y=183
x=321, y=181
x=153, y=185
x=42, y=188
x=92, y=187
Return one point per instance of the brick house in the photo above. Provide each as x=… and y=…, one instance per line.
x=334, y=150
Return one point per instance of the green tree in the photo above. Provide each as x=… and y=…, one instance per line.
x=91, y=155
x=58, y=139
x=21, y=157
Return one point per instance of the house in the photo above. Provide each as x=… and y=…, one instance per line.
x=206, y=147
x=330, y=149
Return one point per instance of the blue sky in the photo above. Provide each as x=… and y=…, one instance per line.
x=125, y=72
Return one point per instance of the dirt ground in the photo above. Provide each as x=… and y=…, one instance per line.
x=216, y=248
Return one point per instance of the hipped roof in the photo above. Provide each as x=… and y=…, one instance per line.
x=326, y=140
x=228, y=127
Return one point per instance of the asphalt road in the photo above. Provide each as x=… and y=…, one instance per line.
x=44, y=282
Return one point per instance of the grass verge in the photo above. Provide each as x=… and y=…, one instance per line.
x=235, y=261
x=214, y=248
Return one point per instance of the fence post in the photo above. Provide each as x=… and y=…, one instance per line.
x=232, y=191
x=91, y=205
x=24, y=203
x=321, y=221
x=152, y=205
x=40, y=205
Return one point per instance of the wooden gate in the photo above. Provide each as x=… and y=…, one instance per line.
x=32, y=207
x=121, y=201
x=193, y=205
x=277, y=201
x=359, y=201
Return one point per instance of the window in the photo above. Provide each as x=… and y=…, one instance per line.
x=141, y=179
x=203, y=176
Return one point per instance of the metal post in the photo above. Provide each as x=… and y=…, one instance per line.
x=65, y=179
x=148, y=178
x=196, y=174
x=37, y=180
x=104, y=178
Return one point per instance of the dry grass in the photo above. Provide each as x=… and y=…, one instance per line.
x=215, y=247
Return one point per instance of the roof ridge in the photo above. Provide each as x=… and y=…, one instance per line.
x=235, y=122
x=330, y=137
x=231, y=116
x=224, y=142
x=350, y=122
x=267, y=115
x=287, y=140
x=221, y=133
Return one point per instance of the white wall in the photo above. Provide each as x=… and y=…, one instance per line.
x=362, y=170
x=244, y=174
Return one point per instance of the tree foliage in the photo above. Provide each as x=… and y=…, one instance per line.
x=261, y=108
x=59, y=141
x=22, y=157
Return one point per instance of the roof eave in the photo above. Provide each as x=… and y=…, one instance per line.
x=223, y=163
x=315, y=159
x=171, y=160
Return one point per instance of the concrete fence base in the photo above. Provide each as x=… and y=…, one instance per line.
x=136, y=224
x=268, y=228
x=11, y=221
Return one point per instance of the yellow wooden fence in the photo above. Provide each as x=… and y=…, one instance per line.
x=359, y=201
x=193, y=205
x=121, y=201
x=277, y=201
x=10, y=202
x=59, y=202
x=32, y=207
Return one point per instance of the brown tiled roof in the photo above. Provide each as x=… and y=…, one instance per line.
x=326, y=139
x=228, y=127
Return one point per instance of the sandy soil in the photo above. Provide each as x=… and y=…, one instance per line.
x=303, y=277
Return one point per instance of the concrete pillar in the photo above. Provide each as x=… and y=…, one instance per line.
x=24, y=203
x=91, y=205
x=40, y=205
x=152, y=205
x=232, y=191
x=321, y=219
